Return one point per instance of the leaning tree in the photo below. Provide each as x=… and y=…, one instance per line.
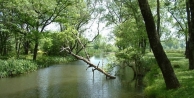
x=161, y=58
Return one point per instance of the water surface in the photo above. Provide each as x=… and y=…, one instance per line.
x=71, y=80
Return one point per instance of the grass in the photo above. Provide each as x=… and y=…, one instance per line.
x=155, y=86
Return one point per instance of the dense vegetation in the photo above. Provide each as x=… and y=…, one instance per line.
x=155, y=39
x=14, y=67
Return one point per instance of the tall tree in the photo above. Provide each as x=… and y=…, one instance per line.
x=5, y=28
x=169, y=76
x=191, y=36
x=40, y=14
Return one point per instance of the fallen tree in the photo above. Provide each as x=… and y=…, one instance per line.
x=87, y=59
x=67, y=49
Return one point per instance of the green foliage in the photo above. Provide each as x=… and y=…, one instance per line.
x=150, y=64
x=94, y=52
x=12, y=67
x=127, y=34
x=128, y=54
x=26, y=20
x=173, y=43
x=112, y=62
x=99, y=42
x=110, y=48
x=53, y=42
x=131, y=42
x=129, y=30
x=46, y=43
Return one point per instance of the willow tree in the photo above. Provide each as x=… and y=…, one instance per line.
x=161, y=58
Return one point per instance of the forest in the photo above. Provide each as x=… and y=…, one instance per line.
x=153, y=38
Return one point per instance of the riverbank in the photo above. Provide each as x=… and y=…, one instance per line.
x=155, y=86
x=13, y=67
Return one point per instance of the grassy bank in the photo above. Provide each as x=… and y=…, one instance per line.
x=155, y=86
x=13, y=67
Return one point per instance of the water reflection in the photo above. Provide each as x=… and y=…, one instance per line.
x=43, y=82
x=70, y=81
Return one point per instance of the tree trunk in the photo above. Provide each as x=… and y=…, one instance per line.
x=5, y=45
x=35, y=50
x=17, y=47
x=187, y=50
x=191, y=36
x=169, y=76
x=26, y=44
x=36, y=41
x=188, y=29
x=26, y=47
x=158, y=16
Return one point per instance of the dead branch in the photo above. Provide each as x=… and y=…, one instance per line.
x=67, y=49
x=84, y=45
x=98, y=33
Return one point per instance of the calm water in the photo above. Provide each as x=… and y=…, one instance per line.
x=71, y=80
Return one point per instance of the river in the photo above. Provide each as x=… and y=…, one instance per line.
x=71, y=80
